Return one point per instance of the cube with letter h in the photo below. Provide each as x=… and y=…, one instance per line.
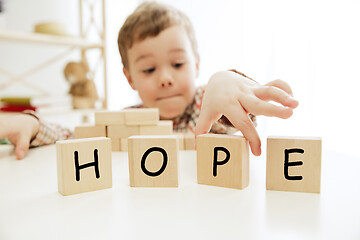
x=153, y=161
x=83, y=165
x=222, y=160
x=293, y=164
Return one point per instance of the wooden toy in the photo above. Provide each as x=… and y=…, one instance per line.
x=153, y=161
x=87, y=131
x=189, y=141
x=161, y=128
x=141, y=116
x=83, y=165
x=116, y=144
x=293, y=164
x=82, y=89
x=131, y=116
x=122, y=131
x=109, y=118
x=223, y=160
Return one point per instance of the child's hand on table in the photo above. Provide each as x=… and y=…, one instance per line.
x=235, y=96
x=19, y=129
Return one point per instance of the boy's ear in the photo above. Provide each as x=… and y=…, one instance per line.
x=197, y=64
x=128, y=77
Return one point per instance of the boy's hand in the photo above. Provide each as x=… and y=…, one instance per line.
x=235, y=96
x=19, y=129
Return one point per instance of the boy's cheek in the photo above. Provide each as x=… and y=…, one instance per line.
x=147, y=94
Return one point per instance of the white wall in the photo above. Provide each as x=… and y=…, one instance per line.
x=120, y=93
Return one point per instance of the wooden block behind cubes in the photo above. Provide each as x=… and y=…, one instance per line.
x=180, y=136
x=124, y=144
x=161, y=128
x=141, y=116
x=83, y=165
x=89, y=131
x=223, y=160
x=109, y=118
x=116, y=144
x=189, y=141
x=153, y=161
x=293, y=164
x=122, y=131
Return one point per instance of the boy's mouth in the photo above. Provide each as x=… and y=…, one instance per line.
x=168, y=97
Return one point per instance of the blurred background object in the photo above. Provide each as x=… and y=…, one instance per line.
x=53, y=28
x=82, y=88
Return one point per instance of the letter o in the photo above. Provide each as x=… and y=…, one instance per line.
x=143, y=159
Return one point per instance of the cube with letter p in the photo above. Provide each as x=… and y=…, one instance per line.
x=222, y=160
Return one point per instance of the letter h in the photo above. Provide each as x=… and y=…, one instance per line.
x=86, y=165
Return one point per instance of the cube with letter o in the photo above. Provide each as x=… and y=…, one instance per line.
x=153, y=161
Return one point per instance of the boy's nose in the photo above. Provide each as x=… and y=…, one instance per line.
x=166, y=81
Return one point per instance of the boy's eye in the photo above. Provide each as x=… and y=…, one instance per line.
x=149, y=70
x=177, y=65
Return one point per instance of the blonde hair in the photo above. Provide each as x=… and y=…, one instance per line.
x=148, y=20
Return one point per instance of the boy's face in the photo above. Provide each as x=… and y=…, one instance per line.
x=163, y=70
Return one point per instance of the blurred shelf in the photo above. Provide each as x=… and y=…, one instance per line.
x=49, y=39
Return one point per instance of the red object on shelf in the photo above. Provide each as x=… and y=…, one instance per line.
x=17, y=108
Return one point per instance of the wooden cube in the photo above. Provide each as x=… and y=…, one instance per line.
x=223, y=160
x=161, y=128
x=122, y=131
x=109, y=118
x=141, y=116
x=293, y=164
x=83, y=165
x=180, y=136
x=116, y=144
x=88, y=131
x=153, y=161
x=124, y=144
x=189, y=141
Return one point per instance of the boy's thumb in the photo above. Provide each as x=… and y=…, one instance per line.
x=22, y=146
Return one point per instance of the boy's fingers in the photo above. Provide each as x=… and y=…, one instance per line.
x=204, y=122
x=259, y=107
x=282, y=85
x=22, y=146
x=277, y=95
x=242, y=122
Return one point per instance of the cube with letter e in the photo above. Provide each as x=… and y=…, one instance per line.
x=293, y=164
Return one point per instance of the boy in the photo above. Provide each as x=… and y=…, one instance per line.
x=160, y=60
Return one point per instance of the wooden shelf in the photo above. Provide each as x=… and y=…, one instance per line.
x=49, y=39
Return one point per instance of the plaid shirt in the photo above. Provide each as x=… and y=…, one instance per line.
x=50, y=133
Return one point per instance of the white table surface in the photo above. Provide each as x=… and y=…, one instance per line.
x=31, y=207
